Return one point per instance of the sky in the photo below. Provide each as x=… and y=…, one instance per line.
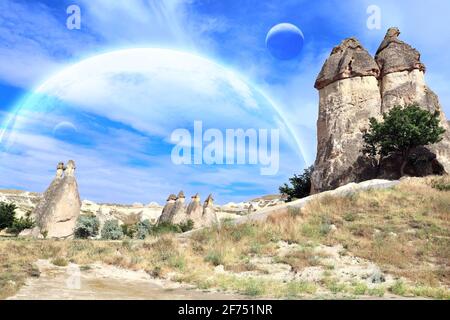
x=35, y=44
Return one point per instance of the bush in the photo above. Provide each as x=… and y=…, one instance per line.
x=129, y=230
x=301, y=185
x=167, y=227
x=143, y=229
x=187, y=226
x=21, y=224
x=87, y=226
x=60, y=262
x=111, y=230
x=7, y=213
x=402, y=130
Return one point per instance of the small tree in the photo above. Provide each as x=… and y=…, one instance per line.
x=87, y=226
x=7, y=214
x=112, y=231
x=402, y=130
x=301, y=185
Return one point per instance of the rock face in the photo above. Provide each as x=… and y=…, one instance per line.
x=354, y=87
x=178, y=214
x=209, y=213
x=195, y=211
x=402, y=82
x=165, y=215
x=59, y=208
x=348, y=97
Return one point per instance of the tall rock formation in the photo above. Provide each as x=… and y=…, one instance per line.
x=195, y=211
x=209, y=213
x=348, y=97
x=57, y=212
x=402, y=82
x=353, y=87
x=167, y=210
x=178, y=214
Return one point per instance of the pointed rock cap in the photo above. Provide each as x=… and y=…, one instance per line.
x=347, y=60
x=394, y=55
x=209, y=199
x=172, y=197
x=181, y=195
x=60, y=170
x=70, y=168
x=196, y=197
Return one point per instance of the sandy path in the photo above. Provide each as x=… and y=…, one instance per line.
x=103, y=282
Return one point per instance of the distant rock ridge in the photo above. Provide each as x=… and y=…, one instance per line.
x=176, y=212
x=353, y=87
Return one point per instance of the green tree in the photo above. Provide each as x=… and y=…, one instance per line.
x=7, y=214
x=301, y=185
x=87, y=226
x=402, y=130
x=111, y=230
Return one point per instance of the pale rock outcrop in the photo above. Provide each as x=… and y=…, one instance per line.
x=353, y=87
x=57, y=212
x=167, y=210
x=209, y=213
x=348, y=97
x=195, y=211
x=402, y=82
x=178, y=214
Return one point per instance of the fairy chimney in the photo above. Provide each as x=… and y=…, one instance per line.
x=348, y=97
x=209, y=217
x=178, y=214
x=195, y=211
x=165, y=215
x=402, y=82
x=57, y=212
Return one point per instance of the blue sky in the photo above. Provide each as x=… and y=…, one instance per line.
x=35, y=43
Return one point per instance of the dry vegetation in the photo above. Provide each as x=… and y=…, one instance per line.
x=405, y=231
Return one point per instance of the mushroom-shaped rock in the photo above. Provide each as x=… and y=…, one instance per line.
x=209, y=213
x=347, y=60
x=195, y=211
x=348, y=97
x=165, y=215
x=178, y=214
x=394, y=55
x=57, y=212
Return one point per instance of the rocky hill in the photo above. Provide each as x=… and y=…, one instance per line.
x=353, y=87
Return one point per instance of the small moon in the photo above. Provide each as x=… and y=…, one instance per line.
x=64, y=130
x=285, y=41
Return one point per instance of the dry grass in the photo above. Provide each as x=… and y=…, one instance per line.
x=405, y=230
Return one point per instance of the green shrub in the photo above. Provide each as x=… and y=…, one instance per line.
x=143, y=229
x=87, y=226
x=111, y=230
x=21, y=224
x=441, y=186
x=215, y=257
x=398, y=288
x=187, y=226
x=129, y=230
x=349, y=217
x=301, y=185
x=60, y=262
x=167, y=227
x=7, y=213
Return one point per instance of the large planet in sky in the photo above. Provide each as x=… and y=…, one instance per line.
x=115, y=114
x=285, y=41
